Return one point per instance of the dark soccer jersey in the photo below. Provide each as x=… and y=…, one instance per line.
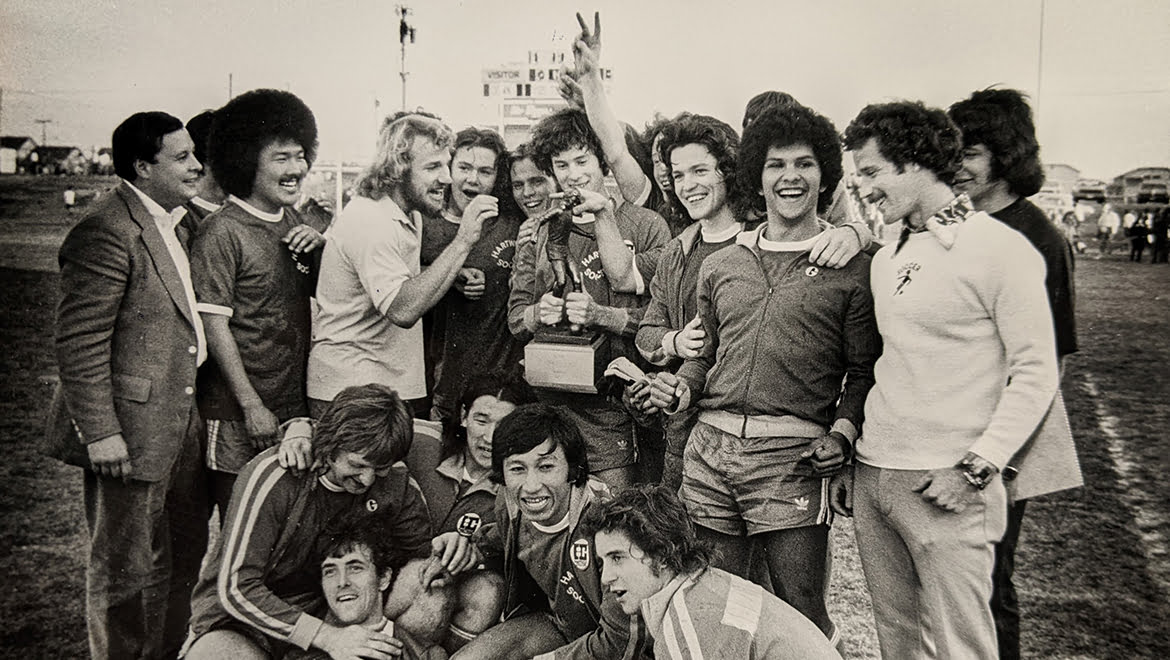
x=475, y=332
x=1026, y=218
x=542, y=554
x=690, y=275
x=239, y=266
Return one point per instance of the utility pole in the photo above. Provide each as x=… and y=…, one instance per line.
x=230, y=86
x=405, y=31
x=43, y=122
x=1039, y=66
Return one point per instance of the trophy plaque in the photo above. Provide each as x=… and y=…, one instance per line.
x=564, y=356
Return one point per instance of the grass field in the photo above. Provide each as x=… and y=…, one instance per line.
x=1093, y=568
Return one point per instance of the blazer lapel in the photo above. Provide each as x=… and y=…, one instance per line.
x=164, y=264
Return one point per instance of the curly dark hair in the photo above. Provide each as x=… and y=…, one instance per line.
x=784, y=126
x=1001, y=120
x=654, y=520
x=247, y=124
x=368, y=420
x=510, y=387
x=720, y=140
x=140, y=137
x=564, y=129
x=909, y=132
x=350, y=533
x=765, y=101
x=527, y=427
x=654, y=127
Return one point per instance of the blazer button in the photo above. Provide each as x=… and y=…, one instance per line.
x=192, y=350
x=189, y=390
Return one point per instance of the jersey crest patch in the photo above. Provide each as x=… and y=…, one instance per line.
x=371, y=505
x=579, y=554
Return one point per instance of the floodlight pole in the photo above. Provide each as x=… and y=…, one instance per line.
x=405, y=32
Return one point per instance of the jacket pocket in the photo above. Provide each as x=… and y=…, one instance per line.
x=131, y=388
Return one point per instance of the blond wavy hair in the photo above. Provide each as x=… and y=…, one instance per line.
x=392, y=160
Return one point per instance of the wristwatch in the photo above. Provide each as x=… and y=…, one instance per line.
x=977, y=470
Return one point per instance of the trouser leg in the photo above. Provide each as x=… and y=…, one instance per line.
x=888, y=567
x=952, y=554
x=1005, y=605
x=186, y=515
x=128, y=567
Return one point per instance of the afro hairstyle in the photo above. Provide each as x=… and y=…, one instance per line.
x=250, y=122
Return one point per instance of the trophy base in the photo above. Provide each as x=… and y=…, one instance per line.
x=557, y=359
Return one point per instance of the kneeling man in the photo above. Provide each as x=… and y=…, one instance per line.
x=259, y=595
x=654, y=564
x=357, y=570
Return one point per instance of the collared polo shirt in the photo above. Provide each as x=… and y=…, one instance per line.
x=372, y=249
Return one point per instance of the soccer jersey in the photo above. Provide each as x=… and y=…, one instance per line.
x=474, y=335
x=242, y=270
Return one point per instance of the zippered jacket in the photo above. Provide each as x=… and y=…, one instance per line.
x=802, y=345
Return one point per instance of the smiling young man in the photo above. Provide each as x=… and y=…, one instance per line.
x=655, y=566
x=128, y=343
x=259, y=595
x=373, y=289
x=251, y=263
x=780, y=337
x=1001, y=168
x=469, y=329
x=539, y=456
x=701, y=153
x=967, y=372
x=358, y=569
x=615, y=247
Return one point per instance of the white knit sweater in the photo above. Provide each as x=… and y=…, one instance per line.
x=969, y=359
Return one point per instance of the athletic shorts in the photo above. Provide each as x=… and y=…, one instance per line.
x=608, y=429
x=228, y=446
x=745, y=486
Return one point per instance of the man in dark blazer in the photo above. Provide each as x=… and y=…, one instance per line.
x=128, y=344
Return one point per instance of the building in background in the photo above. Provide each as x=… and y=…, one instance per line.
x=519, y=94
x=1056, y=195
x=1141, y=186
x=14, y=154
x=60, y=160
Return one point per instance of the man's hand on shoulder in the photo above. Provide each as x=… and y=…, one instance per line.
x=110, y=457
x=356, y=642
x=836, y=247
x=296, y=447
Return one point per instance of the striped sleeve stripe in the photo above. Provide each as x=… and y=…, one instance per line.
x=670, y=633
x=678, y=604
x=256, y=491
x=745, y=601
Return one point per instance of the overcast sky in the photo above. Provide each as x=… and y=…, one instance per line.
x=1103, y=73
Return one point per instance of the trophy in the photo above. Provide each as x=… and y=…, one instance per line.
x=564, y=356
